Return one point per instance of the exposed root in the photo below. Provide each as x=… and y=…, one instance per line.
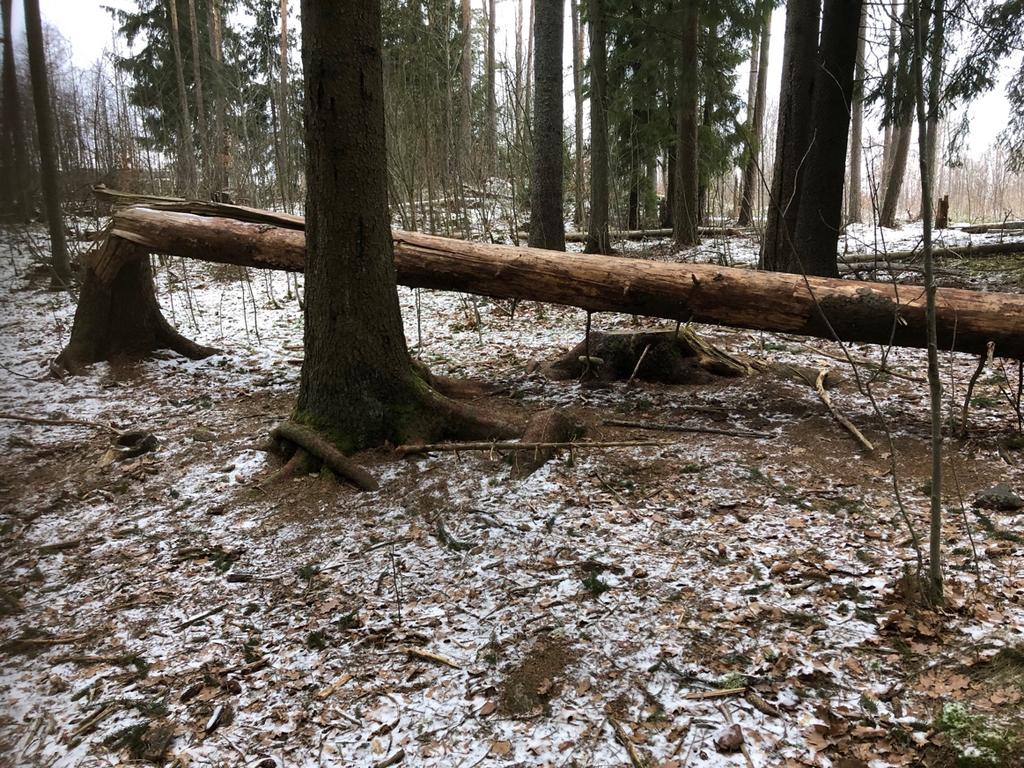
x=459, y=421
x=300, y=463
x=312, y=443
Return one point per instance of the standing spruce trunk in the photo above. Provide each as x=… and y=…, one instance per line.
x=197, y=78
x=577, y=93
x=598, y=238
x=755, y=116
x=903, y=109
x=47, y=145
x=186, y=152
x=888, y=98
x=820, y=206
x=219, y=182
x=853, y=196
x=491, y=109
x=547, y=228
x=686, y=211
x=799, y=64
x=466, y=86
x=362, y=392
x=283, y=111
x=15, y=151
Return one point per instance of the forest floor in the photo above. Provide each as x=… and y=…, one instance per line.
x=658, y=605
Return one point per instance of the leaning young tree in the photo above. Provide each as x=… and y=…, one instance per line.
x=365, y=391
x=47, y=144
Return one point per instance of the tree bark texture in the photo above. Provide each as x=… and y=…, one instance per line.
x=546, y=217
x=686, y=213
x=752, y=173
x=820, y=207
x=598, y=240
x=799, y=59
x=857, y=310
x=854, y=191
x=15, y=149
x=48, y=167
x=186, y=153
x=357, y=384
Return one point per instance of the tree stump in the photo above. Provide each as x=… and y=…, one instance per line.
x=665, y=356
x=550, y=426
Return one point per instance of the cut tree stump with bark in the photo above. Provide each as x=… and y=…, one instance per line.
x=666, y=356
x=829, y=308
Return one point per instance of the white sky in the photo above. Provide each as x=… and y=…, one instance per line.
x=89, y=30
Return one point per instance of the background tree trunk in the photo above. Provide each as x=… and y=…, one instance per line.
x=466, y=83
x=547, y=228
x=598, y=240
x=853, y=198
x=491, y=112
x=799, y=60
x=903, y=107
x=15, y=149
x=49, y=171
x=687, y=204
x=284, y=113
x=219, y=181
x=820, y=208
x=186, y=151
x=577, y=92
x=751, y=171
x=197, y=78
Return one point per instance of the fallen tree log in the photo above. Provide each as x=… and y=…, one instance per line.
x=850, y=310
x=643, y=234
x=953, y=252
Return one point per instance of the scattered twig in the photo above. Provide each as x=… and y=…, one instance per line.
x=685, y=428
x=639, y=362
x=60, y=422
x=437, y=658
x=204, y=615
x=819, y=387
x=638, y=760
x=510, y=445
x=391, y=760
x=718, y=693
x=334, y=687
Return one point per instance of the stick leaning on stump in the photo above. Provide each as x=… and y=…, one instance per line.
x=117, y=290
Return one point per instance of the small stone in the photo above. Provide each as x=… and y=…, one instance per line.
x=999, y=498
x=203, y=435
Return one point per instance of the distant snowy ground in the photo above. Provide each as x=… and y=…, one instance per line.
x=169, y=607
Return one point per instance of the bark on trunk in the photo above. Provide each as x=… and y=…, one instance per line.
x=219, y=182
x=755, y=128
x=686, y=214
x=197, y=78
x=15, y=149
x=902, y=128
x=466, y=81
x=793, y=136
x=858, y=311
x=48, y=169
x=853, y=196
x=186, y=153
x=547, y=229
x=820, y=207
x=577, y=93
x=598, y=240
x=491, y=115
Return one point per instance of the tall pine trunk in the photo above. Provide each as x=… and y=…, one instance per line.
x=577, y=92
x=186, y=151
x=491, y=108
x=282, y=108
x=15, y=151
x=197, y=78
x=799, y=60
x=219, y=182
x=547, y=228
x=903, y=107
x=853, y=197
x=466, y=83
x=820, y=205
x=751, y=181
x=686, y=213
x=598, y=240
x=48, y=169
